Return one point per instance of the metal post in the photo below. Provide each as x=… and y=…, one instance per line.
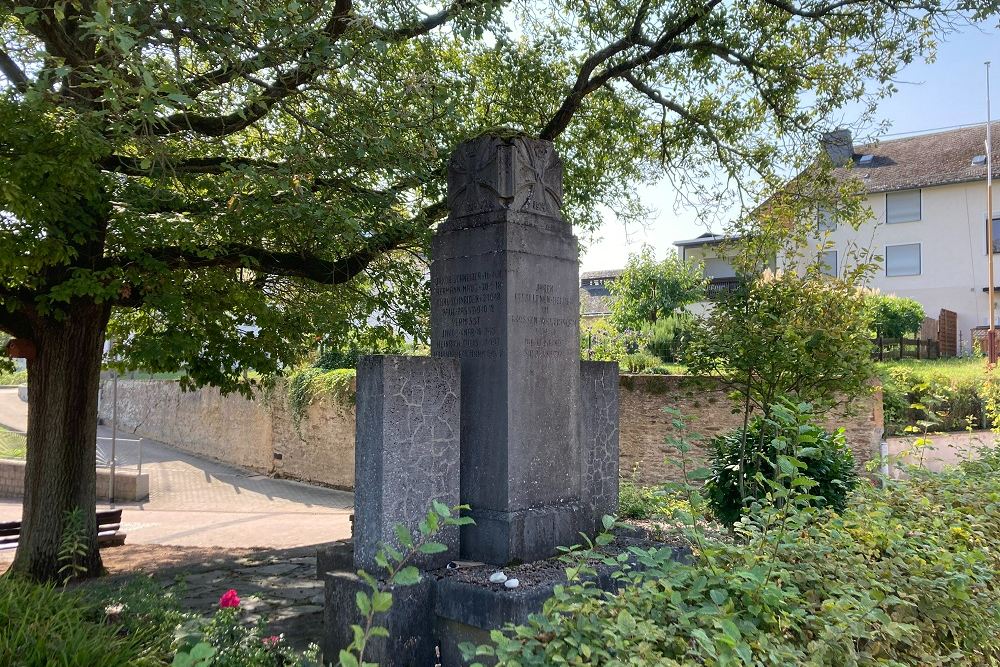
x=114, y=433
x=991, y=336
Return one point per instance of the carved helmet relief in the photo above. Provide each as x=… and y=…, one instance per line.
x=517, y=174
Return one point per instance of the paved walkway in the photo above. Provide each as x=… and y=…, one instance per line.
x=944, y=449
x=196, y=502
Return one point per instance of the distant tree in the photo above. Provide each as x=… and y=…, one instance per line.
x=649, y=290
x=893, y=316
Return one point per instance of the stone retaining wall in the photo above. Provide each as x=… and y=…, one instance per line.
x=647, y=458
x=258, y=434
x=262, y=436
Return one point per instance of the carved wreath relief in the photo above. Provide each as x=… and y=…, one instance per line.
x=491, y=174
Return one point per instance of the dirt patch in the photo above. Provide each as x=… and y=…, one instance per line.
x=153, y=557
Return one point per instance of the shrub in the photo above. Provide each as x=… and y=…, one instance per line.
x=15, y=377
x=666, y=337
x=893, y=316
x=646, y=502
x=784, y=335
x=940, y=402
x=43, y=625
x=827, y=459
x=905, y=576
x=142, y=609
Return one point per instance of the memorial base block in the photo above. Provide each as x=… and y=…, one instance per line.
x=522, y=536
x=411, y=641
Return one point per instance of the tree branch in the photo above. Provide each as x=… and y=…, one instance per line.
x=13, y=72
x=278, y=263
x=587, y=84
x=132, y=166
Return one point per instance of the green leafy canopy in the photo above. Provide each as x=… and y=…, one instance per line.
x=228, y=179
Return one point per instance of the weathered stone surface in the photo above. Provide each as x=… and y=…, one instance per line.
x=407, y=451
x=515, y=174
x=336, y=557
x=505, y=300
x=599, y=437
x=409, y=621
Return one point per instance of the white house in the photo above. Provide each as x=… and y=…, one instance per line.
x=927, y=197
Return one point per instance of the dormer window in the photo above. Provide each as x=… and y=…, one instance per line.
x=903, y=206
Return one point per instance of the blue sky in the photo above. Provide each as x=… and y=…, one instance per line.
x=949, y=91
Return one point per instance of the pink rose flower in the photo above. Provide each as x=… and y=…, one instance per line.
x=229, y=599
x=272, y=641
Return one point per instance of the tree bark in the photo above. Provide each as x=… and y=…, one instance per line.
x=60, y=471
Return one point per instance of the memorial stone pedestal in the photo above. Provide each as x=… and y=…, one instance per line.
x=505, y=301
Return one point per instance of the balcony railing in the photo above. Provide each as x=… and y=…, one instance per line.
x=719, y=286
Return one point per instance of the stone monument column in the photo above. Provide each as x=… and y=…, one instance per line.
x=505, y=301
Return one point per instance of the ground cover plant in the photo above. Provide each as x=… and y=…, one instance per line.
x=908, y=575
x=947, y=394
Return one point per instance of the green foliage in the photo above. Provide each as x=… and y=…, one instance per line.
x=648, y=290
x=665, y=338
x=785, y=335
x=893, y=316
x=73, y=546
x=766, y=445
x=913, y=395
x=344, y=352
x=395, y=560
x=647, y=502
x=226, y=641
x=141, y=609
x=909, y=575
x=601, y=341
x=15, y=377
x=43, y=625
x=306, y=384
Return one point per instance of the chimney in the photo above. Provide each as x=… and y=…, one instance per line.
x=838, y=145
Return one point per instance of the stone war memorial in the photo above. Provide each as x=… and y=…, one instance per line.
x=503, y=416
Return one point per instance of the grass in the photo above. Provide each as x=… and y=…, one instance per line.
x=959, y=369
x=12, y=444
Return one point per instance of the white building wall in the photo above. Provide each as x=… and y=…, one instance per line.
x=952, y=237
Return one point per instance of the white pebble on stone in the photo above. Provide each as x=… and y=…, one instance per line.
x=512, y=583
x=498, y=578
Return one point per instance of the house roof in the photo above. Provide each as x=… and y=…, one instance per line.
x=607, y=273
x=708, y=238
x=937, y=158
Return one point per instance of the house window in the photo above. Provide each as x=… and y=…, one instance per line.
x=828, y=263
x=902, y=206
x=826, y=221
x=996, y=234
x=717, y=267
x=902, y=260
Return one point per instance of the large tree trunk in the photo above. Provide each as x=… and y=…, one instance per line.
x=60, y=472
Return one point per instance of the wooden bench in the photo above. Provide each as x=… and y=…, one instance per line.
x=109, y=522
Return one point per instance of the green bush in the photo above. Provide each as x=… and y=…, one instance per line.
x=940, y=402
x=905, y=576
x=43, y=625
x=666, y=337
x=827, y=459
x=894, y=316
x=16, y=377
x=646, y=502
